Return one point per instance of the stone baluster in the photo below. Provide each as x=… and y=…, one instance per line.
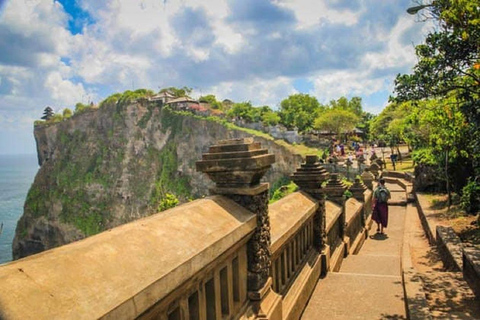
x=309, y=178
x=236, y=166
x=335, y=190
x=367, y=178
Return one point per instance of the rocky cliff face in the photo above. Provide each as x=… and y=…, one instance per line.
x=112, y=165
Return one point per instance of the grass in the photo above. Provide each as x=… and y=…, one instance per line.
x=299, y=148
x=405, y=165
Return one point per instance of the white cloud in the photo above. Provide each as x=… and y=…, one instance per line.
x=237, y=49
x=62, y=90
x=314, y=12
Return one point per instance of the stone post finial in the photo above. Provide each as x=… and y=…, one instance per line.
x=373, y=156
x=310, y=176
x=335, y=189
x=236, y=166
x=367, y=178
x=357, y=189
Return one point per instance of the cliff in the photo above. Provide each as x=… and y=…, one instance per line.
x=123, y=161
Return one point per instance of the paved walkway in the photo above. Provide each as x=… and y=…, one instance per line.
x=368, y=285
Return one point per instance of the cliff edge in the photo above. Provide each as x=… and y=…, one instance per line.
x=111, y=165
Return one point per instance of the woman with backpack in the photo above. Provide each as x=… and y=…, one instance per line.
x=380, y=205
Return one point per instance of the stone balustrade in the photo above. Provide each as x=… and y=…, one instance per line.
x=228, y=256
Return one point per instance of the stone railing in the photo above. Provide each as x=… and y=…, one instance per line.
x=179, y=262
x=228, y=256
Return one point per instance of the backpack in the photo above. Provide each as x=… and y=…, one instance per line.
x=382, y=196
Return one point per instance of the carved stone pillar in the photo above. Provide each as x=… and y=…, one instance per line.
x=367, y=178
x=357, y=190
x=309, y=178
x=335, y=190
x=375, y=169
x=236, y=166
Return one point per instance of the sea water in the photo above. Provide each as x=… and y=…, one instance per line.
x=16, y=176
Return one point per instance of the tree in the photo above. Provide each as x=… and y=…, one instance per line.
x=47, y=113
x=242, y=110
x=336, y=120
x=212, y=101
x=299, y=110
x=449, y=64
x=67, y=113
x=354, y=105
x=270, y=118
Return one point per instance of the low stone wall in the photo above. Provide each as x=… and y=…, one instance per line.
x=471, y=268
x=450, y=248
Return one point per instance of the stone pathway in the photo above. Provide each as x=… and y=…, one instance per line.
x=368, y=285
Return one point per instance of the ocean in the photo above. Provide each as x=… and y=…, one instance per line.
x=16, y=176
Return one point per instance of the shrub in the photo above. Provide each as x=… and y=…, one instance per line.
x=470, y=199
x=167, y=202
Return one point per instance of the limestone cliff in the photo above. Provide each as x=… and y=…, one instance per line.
x=115, y=164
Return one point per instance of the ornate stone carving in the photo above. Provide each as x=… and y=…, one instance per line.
x=236, y=166
x=258, y=247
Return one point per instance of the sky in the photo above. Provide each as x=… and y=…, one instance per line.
x=58, y=53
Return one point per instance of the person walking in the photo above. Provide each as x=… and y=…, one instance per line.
x=380, y=206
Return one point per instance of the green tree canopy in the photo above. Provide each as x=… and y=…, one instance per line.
x=336, y=120
x=299, y=110
x=354, y=105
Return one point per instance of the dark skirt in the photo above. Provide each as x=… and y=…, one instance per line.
x=380, y=214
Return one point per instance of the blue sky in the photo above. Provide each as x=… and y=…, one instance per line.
x=58, y=53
